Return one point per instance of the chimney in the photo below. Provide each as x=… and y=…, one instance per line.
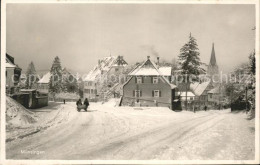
x=148, y=57
x=99, y=63
x=119, y=60
x=158, y=61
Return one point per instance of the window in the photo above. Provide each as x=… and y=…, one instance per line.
x=139, y=80
x=191, y=98
x=156, y=93
x=210, y=95
x=137, y=93
x=87, y=91
x=155, y=80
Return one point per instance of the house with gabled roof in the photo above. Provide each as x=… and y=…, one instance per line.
x=96, y=80
x=200, y=90
x=13, y=73
x=216, y=97
x=149, y=85
x=43, y=83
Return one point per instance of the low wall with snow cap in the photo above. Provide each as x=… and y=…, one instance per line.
x=134, y=102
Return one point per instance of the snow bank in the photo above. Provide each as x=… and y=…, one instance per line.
x=112, y=102
x=17, y=115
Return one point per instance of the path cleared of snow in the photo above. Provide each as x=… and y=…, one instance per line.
x=108, y=132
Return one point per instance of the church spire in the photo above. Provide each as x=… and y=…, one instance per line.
x=213, y=61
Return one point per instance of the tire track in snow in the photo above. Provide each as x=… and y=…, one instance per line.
x=152, y=148
x=119, y=145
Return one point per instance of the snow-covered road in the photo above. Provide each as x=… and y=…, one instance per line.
x=106, y=132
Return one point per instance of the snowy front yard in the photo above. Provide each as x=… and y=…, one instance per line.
x=108, y=132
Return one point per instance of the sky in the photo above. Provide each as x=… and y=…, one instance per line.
x=80, y=34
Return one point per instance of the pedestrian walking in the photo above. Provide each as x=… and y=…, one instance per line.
x=205, y=108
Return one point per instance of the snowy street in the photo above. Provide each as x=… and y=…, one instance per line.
x=107, y=132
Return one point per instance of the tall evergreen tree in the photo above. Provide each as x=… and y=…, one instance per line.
x=189, y=58
x=31, y=76
x=55, y=83
x=251, y=85
x=189, y=62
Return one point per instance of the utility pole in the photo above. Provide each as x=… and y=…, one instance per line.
x=246, y=100
x=186, y=97
x=219, y=97
x=231, y=97
x=186, y=101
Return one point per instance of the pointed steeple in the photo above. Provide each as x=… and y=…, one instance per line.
x=213, y=61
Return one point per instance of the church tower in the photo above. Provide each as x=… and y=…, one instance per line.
x=212, y=67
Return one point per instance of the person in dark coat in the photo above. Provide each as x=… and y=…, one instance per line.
x=79, y=102
x=86, y=103
x=205, y=108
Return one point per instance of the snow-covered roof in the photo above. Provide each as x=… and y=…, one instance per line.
x=120, y=61
x=214, y=90
x=27, y=90
x=166, y=71
x=198, y=88
x=189, y=94
x=151, y=71
x=104, y=65
x=145, y=72
x=45, y=79
x=172, y=85
x=9, y=63
x=149, y=68
x=119, y=65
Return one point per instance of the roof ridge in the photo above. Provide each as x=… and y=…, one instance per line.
x=155, y=67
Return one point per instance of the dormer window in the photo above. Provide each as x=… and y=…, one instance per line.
x=139, y=80
x=155, y=80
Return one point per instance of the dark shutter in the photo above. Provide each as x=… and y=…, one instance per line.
x=142, y=79
x=135, y=79
x=160, y=94
x=152, y=79
x=134, y=93
x=140, y=93
x=153, y=93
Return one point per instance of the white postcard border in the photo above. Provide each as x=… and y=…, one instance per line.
x=3, y=106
